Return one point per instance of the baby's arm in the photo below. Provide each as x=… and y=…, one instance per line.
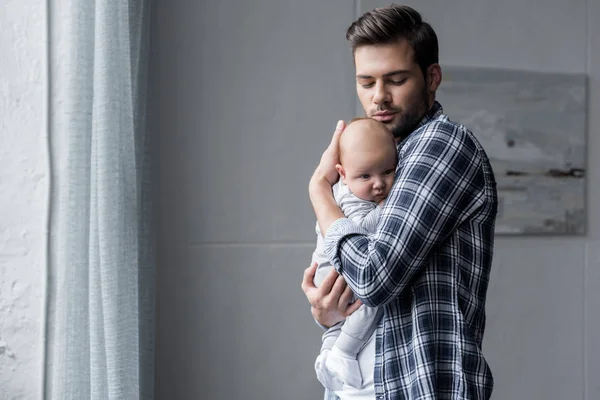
x=369, y=222
x=359, y=326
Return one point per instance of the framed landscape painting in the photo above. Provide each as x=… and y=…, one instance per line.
x=533, y=128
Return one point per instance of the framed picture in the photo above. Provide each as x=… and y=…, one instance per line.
x=533, y=128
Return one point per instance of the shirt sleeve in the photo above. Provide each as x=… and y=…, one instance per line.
x=439, y=184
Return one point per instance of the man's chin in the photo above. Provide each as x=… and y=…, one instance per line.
x=397, y=130
x=391, y=125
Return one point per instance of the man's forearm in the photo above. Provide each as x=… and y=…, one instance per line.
x=326, y=209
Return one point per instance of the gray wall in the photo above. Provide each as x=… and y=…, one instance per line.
x=246, y=96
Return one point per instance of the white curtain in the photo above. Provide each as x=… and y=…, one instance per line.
x=100, y=294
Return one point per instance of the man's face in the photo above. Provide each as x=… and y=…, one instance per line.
x=391, y=86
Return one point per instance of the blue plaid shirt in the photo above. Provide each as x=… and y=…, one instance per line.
x=428, y=265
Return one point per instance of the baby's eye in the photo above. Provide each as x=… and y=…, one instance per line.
x=365, y=176
x=389, y=172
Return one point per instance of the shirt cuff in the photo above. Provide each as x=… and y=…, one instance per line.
x=336, y=233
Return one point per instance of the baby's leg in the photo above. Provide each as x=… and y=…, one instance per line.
x=354, y=334
x=324, y=375
x=358, y=328
x=327, y=379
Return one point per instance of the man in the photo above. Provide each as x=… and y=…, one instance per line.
x=428, y=265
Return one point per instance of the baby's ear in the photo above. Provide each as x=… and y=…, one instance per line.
x=340, y=170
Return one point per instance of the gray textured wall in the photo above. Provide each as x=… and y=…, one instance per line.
x=247, y=95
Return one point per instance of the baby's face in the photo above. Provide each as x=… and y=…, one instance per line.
x=370, y=174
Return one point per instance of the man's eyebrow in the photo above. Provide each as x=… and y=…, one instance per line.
x=397, y=72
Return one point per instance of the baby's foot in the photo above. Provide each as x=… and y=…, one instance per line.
x=327, y=379
x=345, y=367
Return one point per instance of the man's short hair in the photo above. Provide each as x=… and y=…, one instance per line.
x=389, y=24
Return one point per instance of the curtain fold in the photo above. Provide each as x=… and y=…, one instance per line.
x=100, y=295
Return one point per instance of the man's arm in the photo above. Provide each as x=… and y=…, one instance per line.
x=440, y=184
x=326, y=209
x=324, y=177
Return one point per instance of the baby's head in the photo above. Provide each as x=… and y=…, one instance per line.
x=367, y=159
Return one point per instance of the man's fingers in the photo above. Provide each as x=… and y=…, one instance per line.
x=327, y=284
x=309, y=277
x=338, y=287
x=339, y=128
x=353, y=307
x=346, y=297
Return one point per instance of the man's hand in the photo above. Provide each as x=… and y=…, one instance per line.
x=329, y=302
x=326, y=169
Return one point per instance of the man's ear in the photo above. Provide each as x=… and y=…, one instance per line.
x=340, y=170
x=434, y=77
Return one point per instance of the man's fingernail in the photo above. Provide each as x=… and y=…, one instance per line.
x=339, y=125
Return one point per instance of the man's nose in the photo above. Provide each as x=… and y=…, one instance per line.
x=381, y=94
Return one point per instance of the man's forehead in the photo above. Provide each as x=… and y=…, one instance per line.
x=385, y=74
x=384, y=59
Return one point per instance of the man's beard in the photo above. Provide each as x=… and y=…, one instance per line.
x=411, y=116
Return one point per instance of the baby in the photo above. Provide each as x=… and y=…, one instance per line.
x=367, y=168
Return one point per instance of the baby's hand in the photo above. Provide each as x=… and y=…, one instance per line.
x=381, y=202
